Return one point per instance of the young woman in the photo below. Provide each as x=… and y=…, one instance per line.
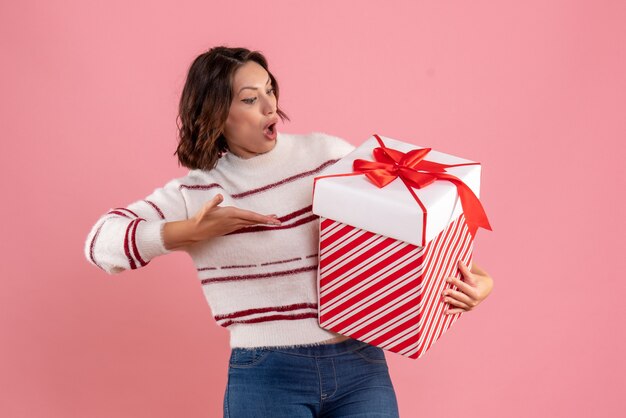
x=243, y=214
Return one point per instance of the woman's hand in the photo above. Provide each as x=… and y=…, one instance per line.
x=212, y=221
x=475, y=287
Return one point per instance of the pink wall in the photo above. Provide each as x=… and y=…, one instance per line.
x=534, y=90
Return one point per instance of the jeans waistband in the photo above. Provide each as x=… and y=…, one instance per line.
x=321, y=350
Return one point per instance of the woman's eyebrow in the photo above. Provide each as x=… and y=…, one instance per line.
x=254, y=88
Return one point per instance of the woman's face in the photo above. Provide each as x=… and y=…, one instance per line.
x=252, y=109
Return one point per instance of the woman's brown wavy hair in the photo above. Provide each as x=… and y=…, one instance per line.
x=205, y=103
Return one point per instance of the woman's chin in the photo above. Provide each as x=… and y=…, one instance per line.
x=270, y=144
x=267, y=146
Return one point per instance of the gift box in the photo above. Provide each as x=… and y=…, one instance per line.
x=395, y=219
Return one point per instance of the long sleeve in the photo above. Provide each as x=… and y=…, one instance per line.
x=337, y=146
x=129, y=237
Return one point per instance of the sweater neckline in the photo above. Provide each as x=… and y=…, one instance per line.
x=267, y=159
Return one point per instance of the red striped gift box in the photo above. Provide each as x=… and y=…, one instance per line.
x=385, y=291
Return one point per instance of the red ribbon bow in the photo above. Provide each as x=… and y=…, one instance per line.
x=416, y=172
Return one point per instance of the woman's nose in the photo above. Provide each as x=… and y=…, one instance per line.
x=269, y=107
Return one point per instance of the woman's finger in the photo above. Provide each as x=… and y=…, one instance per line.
x=456, y=302
x=248, y=215
x=217, y=199
x=462, y=286
x=251, y=222
x=460, y=296
x=453, y=311
x=467, y=274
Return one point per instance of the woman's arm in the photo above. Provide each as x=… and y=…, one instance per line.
x=129, y=237
x=177, y=235
x=475, y=288
x=211, y=221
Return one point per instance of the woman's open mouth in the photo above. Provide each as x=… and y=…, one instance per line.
x=270, y=131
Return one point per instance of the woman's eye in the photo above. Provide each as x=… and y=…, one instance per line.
x=251, y=100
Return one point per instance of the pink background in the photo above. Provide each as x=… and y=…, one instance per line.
x=533, y=90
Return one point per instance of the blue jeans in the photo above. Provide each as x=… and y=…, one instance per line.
x=346, y=379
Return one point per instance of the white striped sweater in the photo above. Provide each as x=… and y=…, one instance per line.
x=261, y=281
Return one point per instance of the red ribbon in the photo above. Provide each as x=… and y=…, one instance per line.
x=416, y=172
